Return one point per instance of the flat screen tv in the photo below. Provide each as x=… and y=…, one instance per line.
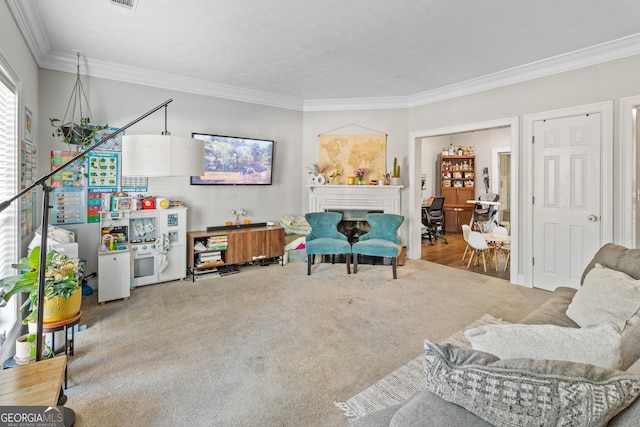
x=229, y=160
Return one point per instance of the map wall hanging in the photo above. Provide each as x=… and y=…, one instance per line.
x=348, y=152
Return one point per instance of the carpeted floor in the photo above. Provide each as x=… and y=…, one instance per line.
x=404, y=382
x=269, y=346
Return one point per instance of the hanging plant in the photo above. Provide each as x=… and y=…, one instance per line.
x=77, y=127
x=81, y=134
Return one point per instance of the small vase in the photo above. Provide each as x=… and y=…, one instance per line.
x=359, y=181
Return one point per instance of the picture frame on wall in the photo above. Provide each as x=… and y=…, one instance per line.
x=28, y=125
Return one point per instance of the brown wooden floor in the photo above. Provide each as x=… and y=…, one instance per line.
x=451, y=255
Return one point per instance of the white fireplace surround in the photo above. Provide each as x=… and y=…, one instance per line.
x=385, y=198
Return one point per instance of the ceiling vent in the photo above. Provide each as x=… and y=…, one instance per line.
x=129, y=4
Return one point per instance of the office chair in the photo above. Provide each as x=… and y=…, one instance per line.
x=484, y=216
x=433, y=220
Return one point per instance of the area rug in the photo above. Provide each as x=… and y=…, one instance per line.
x=404, y=382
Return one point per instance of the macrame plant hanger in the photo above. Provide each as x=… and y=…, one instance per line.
x=77, y=118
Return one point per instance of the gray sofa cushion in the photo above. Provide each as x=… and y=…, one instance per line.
x=381, y=418
x=428, y=410
x=553, y=311
x=618, y=258
x=523, y=392
x=606, y=295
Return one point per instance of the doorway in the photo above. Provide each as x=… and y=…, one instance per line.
x=416, y=148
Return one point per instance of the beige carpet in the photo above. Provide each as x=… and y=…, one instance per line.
x=404, y=382
x=269, y=346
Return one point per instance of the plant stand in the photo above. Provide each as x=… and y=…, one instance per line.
x=63, y=325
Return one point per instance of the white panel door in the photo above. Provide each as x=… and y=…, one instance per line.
x=567, y=200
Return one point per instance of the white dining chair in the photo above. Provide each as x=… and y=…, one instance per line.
x=504, y=247
x=478, y=246
x=465, y=236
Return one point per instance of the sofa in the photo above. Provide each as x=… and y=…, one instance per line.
x=473, y=387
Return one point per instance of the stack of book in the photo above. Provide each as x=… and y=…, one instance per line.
x=217, y=242
x=209, y=259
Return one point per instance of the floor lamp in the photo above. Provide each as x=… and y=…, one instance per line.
x=46, y=189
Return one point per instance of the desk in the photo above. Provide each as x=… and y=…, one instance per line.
x=33, y=384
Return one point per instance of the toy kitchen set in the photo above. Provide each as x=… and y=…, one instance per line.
x=140, y=247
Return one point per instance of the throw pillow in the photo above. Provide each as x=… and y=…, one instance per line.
x=605, y=296
x=598, y=346
x=525, y=392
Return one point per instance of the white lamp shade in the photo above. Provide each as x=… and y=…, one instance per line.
x=162, y=155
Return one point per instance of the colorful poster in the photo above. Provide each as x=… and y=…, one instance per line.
x=94, y=205
x=103, y=171
x=28, y=206
x=137, y=184
x=113, y=144
x=70, y=177
x=67, y=206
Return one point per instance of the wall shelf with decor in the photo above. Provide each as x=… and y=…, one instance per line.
x=457, y=185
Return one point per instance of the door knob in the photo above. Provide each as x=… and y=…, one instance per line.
x=592, y=218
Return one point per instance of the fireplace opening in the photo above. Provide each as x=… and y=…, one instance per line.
x=353, y=225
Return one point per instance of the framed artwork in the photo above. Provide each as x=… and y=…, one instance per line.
x=28, y=125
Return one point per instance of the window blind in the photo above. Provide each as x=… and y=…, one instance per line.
x=9, y=220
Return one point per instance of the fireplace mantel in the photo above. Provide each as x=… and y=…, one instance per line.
x=385, y=198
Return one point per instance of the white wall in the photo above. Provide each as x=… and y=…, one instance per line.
x=391, y=122
x=117, y=104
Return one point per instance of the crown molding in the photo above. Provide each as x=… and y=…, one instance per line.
x=593, y=55
x=144, y=77
x=381, y=103
x=30, y=24
x=29, y=21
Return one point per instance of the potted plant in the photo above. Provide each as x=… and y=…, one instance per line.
x=334, y=176
x=395, y=177
x=63, y=294
x=76, y=126
x=26, y=349
x=81, y=134
x=238, y=213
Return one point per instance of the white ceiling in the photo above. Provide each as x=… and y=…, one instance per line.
x=328, y=54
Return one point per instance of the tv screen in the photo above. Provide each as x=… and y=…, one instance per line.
x=230, y=160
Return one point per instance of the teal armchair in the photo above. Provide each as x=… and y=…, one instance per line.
x=325, y=239
x=381, y=241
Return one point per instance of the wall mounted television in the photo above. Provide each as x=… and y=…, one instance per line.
x=229, y=160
